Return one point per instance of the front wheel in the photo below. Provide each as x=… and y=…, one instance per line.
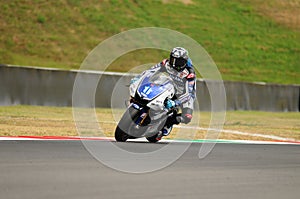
x=125, y=125
x=120, y=135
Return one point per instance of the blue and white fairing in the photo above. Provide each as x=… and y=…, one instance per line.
x=155, y=87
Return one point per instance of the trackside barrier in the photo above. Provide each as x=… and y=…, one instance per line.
x=53, y=87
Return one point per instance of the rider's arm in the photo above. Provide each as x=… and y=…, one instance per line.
x=159, y=66
x=188, y=99
x=190, y=88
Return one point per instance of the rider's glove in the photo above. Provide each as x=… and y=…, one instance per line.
x=134, y=80
x=172, y=103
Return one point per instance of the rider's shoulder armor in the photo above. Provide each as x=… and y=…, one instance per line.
x=162, y=65
x=164, y=62
x=192, y=74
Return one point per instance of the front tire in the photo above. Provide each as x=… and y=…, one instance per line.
x=120, y=135
x=125, y=124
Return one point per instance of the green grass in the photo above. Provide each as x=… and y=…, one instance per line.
x=32, y=121
x=245, y=41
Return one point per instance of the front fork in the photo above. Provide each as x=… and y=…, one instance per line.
x=143, y=113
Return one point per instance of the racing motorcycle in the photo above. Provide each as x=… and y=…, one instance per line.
x=146, y=114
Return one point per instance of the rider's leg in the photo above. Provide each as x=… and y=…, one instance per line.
x=166, y=130
x=186, y=116
x=176, y=118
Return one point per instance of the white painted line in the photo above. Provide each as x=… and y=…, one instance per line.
x=76, y=138
x=273, y=137
x=277, y=139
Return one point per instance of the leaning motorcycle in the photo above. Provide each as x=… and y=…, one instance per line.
x=146, y=114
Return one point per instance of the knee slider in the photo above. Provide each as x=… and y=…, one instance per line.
x=187, y=118
x=187, y=115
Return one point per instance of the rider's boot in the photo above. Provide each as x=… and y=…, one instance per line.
x=164, y=132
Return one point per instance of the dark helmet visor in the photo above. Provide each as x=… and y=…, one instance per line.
x=178, y=63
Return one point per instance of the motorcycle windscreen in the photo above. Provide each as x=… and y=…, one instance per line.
x=153, y=86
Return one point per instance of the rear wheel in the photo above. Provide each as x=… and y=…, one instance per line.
x=152, y=139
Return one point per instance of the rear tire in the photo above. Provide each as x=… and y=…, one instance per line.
x=152, y=139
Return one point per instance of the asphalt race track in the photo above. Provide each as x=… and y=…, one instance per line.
x=66, y=170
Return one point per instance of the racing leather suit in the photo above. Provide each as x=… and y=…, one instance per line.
x=185, y=88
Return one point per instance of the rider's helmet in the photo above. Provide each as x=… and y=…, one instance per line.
x=179, y=58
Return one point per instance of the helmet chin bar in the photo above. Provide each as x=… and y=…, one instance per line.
x=180, y=68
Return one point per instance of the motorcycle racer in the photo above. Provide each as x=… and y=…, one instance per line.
x=180, y=68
